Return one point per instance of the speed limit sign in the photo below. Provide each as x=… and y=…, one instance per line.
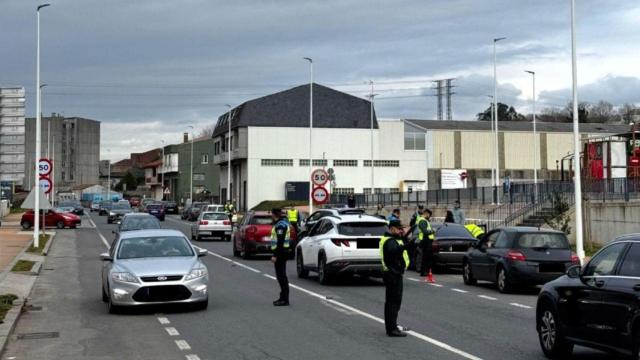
x=44, y=167
x=320, y=195
x=319, y=177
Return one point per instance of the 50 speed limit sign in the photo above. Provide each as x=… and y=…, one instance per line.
x=44, y=167
x=320, y=195
x=319, y=177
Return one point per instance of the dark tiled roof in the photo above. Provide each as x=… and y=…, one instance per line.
x=290, y=108
x=518, y=126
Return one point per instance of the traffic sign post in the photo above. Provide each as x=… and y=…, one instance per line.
x=319, y=177
x=320, y=195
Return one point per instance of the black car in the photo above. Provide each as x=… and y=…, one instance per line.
x=117, y=211
x=518, y=256
x=192, y=212
x=451, y=244
x=105, y=207
x=596, y=306
x=78, y=209
x=137, y=221
x=155, y=209
x=170, y=207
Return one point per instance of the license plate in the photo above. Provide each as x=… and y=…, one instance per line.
x=205, y=232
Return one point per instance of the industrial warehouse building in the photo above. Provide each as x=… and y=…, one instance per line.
x=270, y=147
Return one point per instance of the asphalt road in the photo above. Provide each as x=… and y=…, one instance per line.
x=448, y=320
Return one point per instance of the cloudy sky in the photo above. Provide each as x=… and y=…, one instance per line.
x=149, y=69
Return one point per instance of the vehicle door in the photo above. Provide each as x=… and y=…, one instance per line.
x=241, y=231
x=479, y=257
x=310, y=246
x=585, y=310
x=496, y=252
x=621, y=299
x=51, y=218
x=107, y=265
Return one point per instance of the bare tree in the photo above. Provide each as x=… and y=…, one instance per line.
x=602, y=112
x=629, y=112
x=207, y=131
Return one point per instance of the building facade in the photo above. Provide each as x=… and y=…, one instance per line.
x=12, y=135
x=73, y=143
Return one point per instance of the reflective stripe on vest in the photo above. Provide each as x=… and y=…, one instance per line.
x=405, y=254
x=292, y=215
x=420, y=233
x=274, y=236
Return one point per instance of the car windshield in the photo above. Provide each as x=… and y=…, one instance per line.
x=542, y=241
x=139, y=223
x=261, y=220
x=215, y=216
x=121, y=206
x=450, y=230
x=362, y=229
x=154, y=246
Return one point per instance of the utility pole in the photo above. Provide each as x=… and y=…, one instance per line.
x=535, y=138
x=229, y=156
x=496, y=119
x=371, y=96
x=576, y=139
x=310, y=60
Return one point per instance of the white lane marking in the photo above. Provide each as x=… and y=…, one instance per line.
x=270, y=277
x=93, y=225
x=247, y=267
x=172, y=331
x=487, y=297
x=434, y=284
x=521, y=306
x=220, y=256
x=104, y=241
x=412, y=279
x=183, y=345
x=164, y=320
x=192, y=357
x=460, y=291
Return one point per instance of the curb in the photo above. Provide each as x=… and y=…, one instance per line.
x=10, y=321
x=45, y=251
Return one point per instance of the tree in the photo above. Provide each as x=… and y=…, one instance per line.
x=629, y=112
x=505, y=113
x=207, y=131
x=602, y=112
x=583, y=112
x=552, y=115
x=128, y=182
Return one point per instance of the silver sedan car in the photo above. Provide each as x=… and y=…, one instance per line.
x=212, y=224
x=147, y=267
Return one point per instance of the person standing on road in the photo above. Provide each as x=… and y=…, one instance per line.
x=395, y=261
x=458, y=213
x=351, y=201
x=426, y=235
x=416, y=215
x=280, y=243
x=292, y=216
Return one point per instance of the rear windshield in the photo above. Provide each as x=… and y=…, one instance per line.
x=261, y=220
x=121, y=206
x=140, y=223
x=154, y=206
x=362, y=229
x=214, y=216
x=453, y=231
x=542, y=241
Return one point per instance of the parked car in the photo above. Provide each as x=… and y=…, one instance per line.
x=105, y=206
x=596, y=306
x=170, y=207
x=118, y=210
x=192, y=212
x=518, y=256
x=155, y=209
x=451, y=244
x=146, y=267
x=312, y=219
x=253, y=235
x=212, y=224
x=338, y=245
x=74, y=207
x=52, y=218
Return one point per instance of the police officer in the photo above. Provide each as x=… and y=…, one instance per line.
x=280, y=243
x=475, y=230
x=292, y=216
x=395, y=261
x=426, y=235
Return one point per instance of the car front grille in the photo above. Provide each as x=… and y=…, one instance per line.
x=162, y=293
x=161, y=278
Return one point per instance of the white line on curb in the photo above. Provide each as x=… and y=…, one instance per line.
x=487, y=297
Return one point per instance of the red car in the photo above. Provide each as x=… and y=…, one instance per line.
x=253, y=235
x=52, y=218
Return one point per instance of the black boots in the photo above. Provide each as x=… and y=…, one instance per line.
x=280, y=303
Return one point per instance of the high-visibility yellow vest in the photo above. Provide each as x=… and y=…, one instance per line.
x=292, y=215
x=475, y=230
x=420, y=233
x=405, y=254
x=274, y=236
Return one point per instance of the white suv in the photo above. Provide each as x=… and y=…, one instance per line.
x=337, y=245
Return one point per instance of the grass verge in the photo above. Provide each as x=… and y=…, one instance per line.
x=6, y=302
x=44, y=238
x=23, y=265
x=16, y=210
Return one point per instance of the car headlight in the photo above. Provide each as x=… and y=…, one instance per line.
x=196, y=273
x=124, y=277
x=112, y=213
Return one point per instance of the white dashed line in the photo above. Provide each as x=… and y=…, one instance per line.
x=164, y=320
x=247, y=267
x=460, y=291
x=192, y=357
x=183, y=345
x=412, y=279
x=220, y=257
x=104, y=241
x=434, y=284
x=172, y=331
x=270, y=277
x=521, y=306
x=487, y=297
x=93, y=225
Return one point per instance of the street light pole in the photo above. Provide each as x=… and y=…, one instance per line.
x=109, y=178
x=535, y=139
x=576, y=139
x=162, y=172
x=371, y=96
x=191, y=179
x=229, y=157
x=36, y=210
x=495, y=118
x=310, y=60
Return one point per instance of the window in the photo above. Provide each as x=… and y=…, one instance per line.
x=345, y=163
x=362, y=228
x=342, y=191
x=491, y=239
x=605, y=262
x=205, y=158
x=502, y=242
x=382, y=163
x=276, y=162
x=216, y=148
x=367, y=191
x=631, y=264
x=316, y=162
x=542, y=241
x=414, y=138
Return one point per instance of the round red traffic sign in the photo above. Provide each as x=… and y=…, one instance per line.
x=45, y=185
x=44, y=167
x=319, y=177
x=320, y=195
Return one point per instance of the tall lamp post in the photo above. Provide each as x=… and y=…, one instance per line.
x=310, y=60
x=36, y=210
x=576, y=138
x=191, y=177
x=229, y=155
x=162, y=172
x=535, y=138
x=371, y=96
x=109, y=177
x=495, y=117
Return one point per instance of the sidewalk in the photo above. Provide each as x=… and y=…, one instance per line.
x=11, y=242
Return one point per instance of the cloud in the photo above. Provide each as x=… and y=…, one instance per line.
x=617, y=90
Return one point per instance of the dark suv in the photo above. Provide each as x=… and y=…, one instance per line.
x=596, y=306
x=192, y=212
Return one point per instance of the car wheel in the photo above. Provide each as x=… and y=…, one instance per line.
x=467, y=274
x=105, y=298
x=245, y=254
x=25, y=225
x=552, y=341
x=111, y=308
x=323, y=277
x=60, y=224
x=502, y=281
x=302, y=272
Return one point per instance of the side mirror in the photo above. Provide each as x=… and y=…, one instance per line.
x=574, y=271
x=202, y=252
x=106, y=257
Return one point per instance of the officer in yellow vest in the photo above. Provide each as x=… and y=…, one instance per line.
x=280, y=244
x=395, y=261
x=475, y=230
x=426, y=236
x=292, y=216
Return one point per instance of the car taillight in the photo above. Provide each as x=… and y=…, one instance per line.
x=575, y=259
x=204, y=222
x=435, y=247
x=226, y=222
x=338, y=242
x=515, y=256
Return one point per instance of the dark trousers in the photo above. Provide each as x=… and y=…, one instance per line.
x=427, y=257
x=281, y=275
x=392, y=300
